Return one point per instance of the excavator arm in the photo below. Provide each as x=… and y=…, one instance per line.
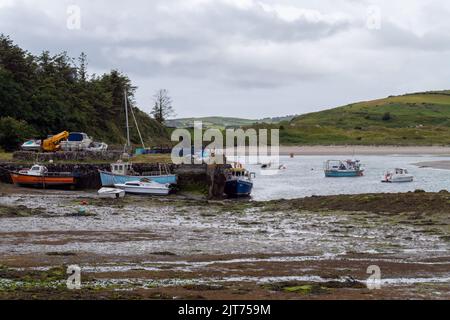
x=52, y=144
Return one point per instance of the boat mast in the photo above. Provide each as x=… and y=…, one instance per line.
x=128, y=145
x=137, y=128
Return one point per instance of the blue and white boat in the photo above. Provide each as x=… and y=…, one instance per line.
x=239, y=182
x=122, y=172
x=340, y=169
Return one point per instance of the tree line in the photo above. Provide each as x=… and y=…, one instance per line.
x=44, y=94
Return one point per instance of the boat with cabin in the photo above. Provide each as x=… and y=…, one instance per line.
x=122, y=172
x=398, y=175
x=239, y=182
x=39, y=176
x=144, y=187
x=31, y=145
x=339, y=168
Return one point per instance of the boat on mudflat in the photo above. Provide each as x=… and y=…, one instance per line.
x=111, y=193
x=144, y=187
x=239, y=182
x=340, y=169
x=122, y=172
x=39, y=176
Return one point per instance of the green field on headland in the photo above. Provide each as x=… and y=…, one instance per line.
x=419, y=119
x=411, y=120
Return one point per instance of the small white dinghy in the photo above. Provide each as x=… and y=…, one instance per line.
x=144, y=187
x=111, y=193
x=397, y=176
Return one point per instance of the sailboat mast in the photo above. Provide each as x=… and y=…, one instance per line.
x=127, y=122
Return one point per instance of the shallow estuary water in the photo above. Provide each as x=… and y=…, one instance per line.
x=305, y=177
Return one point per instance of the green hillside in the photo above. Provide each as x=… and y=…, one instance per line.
x=46, y=94
x=412, y=119
x=223, y=122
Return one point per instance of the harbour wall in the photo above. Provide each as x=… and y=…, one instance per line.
x=209, y=180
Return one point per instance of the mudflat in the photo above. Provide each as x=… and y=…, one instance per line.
x=186, y=248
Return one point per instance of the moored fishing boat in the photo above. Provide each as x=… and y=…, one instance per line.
x=144, y=187
x=398, y=175
x=239, y=182
x=348, y=168
x=39, y=176
x=122, y=172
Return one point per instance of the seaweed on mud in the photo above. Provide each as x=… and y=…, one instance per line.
x=203, y=287
x=313, y=288
x=164, y=253
x=61, y=254
x=19, y=211
x=32, y=278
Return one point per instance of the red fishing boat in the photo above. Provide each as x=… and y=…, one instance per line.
x=38, y=176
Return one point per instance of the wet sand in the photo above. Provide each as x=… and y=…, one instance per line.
x=358, y=150
x=365, y=150
x=444, y=165
x=176, y=248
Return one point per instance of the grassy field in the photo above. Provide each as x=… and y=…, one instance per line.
x=152, y=158
x=4, y=156
x=223, y=122
x=413, y=119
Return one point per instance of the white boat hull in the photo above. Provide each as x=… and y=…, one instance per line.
x=399, y=179
x=111, y=193
x=157, y=191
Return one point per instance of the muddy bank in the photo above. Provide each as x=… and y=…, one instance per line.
x=178, y=248
x=418, y=202
x=444, y=165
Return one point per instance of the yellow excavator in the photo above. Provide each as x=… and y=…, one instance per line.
x=52, y=144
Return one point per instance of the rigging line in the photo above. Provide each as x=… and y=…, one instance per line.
x=137, y=127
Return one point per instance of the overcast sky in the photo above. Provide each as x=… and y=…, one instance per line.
x=248, y=58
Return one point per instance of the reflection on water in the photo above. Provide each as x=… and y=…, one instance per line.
x=305, y=177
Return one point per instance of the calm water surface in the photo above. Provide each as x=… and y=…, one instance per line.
x=305, y=177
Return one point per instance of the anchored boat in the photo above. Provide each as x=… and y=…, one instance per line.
x=239, y=182
x=397, y=176
x=122, y=172
x=38, y=176
x=348, y=168
x=144, y=187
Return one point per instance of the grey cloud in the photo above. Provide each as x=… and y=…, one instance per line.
x=224, y=50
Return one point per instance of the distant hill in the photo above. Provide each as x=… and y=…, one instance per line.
x=46, y=94
x=223, y=122
x=410, y=119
